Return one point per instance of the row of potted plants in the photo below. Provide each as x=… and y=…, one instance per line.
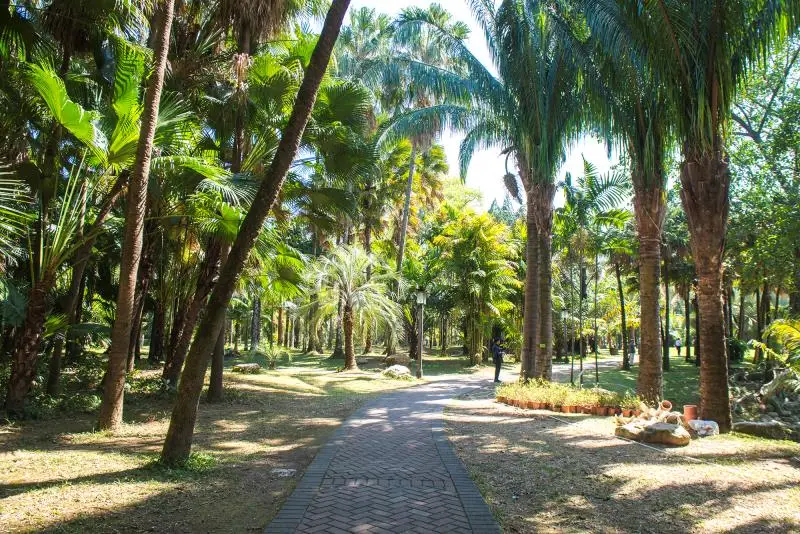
x=541, y=395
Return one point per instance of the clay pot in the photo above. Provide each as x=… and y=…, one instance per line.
x=690, y=412
x=627, y=413
x=637, y=413
x=531, y=405
x=572, y=409
x=556, y=407
x=586, y=410
x=666, y=405
x=537, y=405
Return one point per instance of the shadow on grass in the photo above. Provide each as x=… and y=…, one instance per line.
x=540, y=474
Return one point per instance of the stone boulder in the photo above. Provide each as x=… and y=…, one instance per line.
x=656, y=433
x=246, y=368
x=763, y=429
x=397, y=371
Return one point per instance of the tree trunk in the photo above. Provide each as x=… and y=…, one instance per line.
x=687, y=319
x=705, y=179
x=667, y=344
x=368, y=250
x=280, y=326
x=217, y=363
x=626, y=363
x=178, y=443
x=255, y=325
x=650, y=208
x=741, y=328
x=27, y=345
x=543, y=359
x=156, y=353
x=401, y=246
x=531, y=298
x=347, y=326
x=111, y=407
x=188, y=317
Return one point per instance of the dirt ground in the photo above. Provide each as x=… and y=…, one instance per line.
x=570, y=474
x=58, y=476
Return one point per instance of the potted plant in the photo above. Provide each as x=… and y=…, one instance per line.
x=609, y=402
x=629, y=404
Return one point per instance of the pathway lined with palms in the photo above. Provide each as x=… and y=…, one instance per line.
x=390, y=468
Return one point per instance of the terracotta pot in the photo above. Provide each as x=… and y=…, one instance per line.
x=637, y=413
x=537, y=405
x=598, y=410
x=556, y=407
x=607, y=410
x=690, y=412
x=531, y=405
x=627, y=413
x=666, y=405
x=572, y=409
x=586, y=410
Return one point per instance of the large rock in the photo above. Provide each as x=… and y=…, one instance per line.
x=397, y=371
x=763, y=429
x=247, y=368
x=658, y=433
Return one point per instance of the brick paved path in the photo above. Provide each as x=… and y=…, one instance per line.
x=390, y=468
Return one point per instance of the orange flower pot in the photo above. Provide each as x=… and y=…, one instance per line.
x=690, y=412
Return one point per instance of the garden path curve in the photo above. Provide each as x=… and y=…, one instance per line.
x=390, y=468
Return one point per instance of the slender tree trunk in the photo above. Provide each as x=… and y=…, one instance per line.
x=368, y=250
x=111, y=407
x=217, y=364
x=543, y=366
x=667, y=344
x=650, y=208
x=531, y=298
x=401, y=246
x=255, y=325
x=596, y=339
x=156, y=352
x=280, y=326
x=349, y=352
x=706, y=180
x=687, y=319
x=178, y=443
x=626, y=363
x=741, y=328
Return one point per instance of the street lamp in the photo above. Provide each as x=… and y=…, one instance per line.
x=420, y=296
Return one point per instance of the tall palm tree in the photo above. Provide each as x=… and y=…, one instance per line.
x=531, y=111
x=177, y=445
x=701, y=77
x=111, y=407
x=363, y=300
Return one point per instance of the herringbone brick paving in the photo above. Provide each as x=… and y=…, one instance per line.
x=389, y=469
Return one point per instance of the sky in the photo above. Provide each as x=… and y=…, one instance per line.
x=488, y=166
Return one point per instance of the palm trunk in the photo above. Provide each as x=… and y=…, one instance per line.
x=217, y=363
x=531, y=298
x=113, y=394
x=280, y=326
x=687, y=319
x=178, y=443
x=368, y=250
x=705, y=179
x=667, y=343
x=401, y=246
x=649, y=207
x=347, y=326
x=27, y=345
x=626, y=363
x=740, y=333
x=543, y=359
x=157, y=334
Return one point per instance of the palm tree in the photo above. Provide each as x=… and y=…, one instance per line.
x=111, y=407
x=531, y=111
x=591, y=204
x=177, y=445
x=701, y=78
x=363, y=300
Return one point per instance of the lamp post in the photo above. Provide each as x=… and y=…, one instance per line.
x=420, y=295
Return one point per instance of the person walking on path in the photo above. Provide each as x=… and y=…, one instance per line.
x=497, y=356
x=678, y=346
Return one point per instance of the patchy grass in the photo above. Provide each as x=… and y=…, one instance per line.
x=543, y=474
x=59, y=475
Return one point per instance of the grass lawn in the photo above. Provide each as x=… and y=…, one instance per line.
x=58, y=475
x=541, y=474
